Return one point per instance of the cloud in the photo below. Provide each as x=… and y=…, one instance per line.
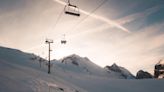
x=135, y=51
x=108, y=21
x=138, y=15
x=141, y=48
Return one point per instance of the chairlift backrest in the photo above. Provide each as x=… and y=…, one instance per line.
x=71, y=13
x=71, y=9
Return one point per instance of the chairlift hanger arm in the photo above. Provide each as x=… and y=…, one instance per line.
x=72, y=5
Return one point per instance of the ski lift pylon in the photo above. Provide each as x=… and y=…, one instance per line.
x=71, y=9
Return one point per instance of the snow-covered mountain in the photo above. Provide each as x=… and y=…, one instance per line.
x=121, y=71
x=82, y=65
x=22, y=72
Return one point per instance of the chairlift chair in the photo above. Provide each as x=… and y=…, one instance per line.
x=63, y=41
x=71, y=9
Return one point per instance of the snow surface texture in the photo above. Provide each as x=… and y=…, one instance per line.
x=20, y=72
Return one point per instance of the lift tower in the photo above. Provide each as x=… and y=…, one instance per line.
x=49, y=41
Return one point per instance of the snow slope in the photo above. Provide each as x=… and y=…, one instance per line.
x=20, y=73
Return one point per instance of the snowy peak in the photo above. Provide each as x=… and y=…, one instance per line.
x=120, y=70
x=76, y=60
x=79, y=64
x=73, y=59
x=114, y=68
x=83, y=65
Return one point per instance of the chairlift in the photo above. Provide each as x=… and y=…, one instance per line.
x=63, y=41
x=71, y=9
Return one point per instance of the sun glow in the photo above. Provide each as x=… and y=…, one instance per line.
x=61, y=52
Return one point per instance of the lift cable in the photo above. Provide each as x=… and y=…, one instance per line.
x=77, y=24
x=57, y=20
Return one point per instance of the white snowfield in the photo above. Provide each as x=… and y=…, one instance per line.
x=21, y=72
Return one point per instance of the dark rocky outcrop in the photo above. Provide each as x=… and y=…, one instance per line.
x=143, y=75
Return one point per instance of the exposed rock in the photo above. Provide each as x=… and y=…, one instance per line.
x=114, y=68
x=120, y=70
x=75, y=63
x=143, y=75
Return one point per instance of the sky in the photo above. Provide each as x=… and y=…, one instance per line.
x=126, y=32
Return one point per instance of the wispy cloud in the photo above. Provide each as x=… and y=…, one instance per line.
x=106, y=20
x=142, y=48
x=138, y=15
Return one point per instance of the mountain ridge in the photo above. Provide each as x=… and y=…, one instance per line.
x=84, y=64
x=21, y=72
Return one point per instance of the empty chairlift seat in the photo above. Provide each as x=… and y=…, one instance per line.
x=71, y=9
x=63, y=41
